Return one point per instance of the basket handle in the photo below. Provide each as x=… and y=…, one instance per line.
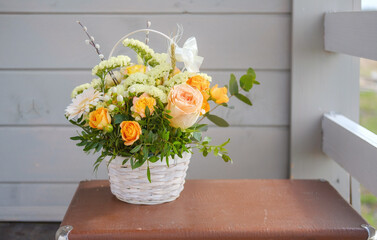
x=137, y=31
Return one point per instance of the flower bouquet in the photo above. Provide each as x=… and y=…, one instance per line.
x=145, y=118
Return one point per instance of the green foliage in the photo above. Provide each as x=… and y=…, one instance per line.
x=233, y=86
x=243, y=98
x=217, y=120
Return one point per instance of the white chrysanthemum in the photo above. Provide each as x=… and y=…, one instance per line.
x=82, y=102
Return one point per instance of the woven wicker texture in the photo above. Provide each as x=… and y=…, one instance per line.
x=132, y=186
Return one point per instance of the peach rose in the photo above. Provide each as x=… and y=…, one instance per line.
x=202, y=85
x=184, y=103
x=99, y=118
x=130, y=131
x=134, y=69
x=140, y=103
x=219, y=94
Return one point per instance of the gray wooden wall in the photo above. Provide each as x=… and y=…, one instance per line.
x=43, y=57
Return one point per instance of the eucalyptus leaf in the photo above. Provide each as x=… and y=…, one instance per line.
x=217, y=120
x=246, y=82
x=251, y=72
x=233, y=85
x=244, y=99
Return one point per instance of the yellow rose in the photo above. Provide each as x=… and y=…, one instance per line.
x=184, y=103
x=134, y=69
x=99, y=118
x=219, y=94
x=202, y=85
x=131, y=132
x=139, y=104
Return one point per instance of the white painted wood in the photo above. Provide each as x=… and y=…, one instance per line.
x=321, y=82
x=145, y=6
x=42, y=104
x=353, y=147
x=47, y=154
x=35, y=201
x=56, y=41
x=256, y=152
x=352, y=33
x=355, y=195
x=33, y=214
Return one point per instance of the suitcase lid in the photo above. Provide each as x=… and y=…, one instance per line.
x=214, y=209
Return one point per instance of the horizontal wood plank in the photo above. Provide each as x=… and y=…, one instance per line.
x=35, y=201
x=48, y=94
x=145, y=6
x=47, y=154
x=226, y=41
x=351, y=146
x=352, y=33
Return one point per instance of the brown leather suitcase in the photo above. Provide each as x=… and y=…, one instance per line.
x=218, y=209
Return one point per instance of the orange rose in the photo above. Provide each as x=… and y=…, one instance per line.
x=206, y=107
x=99, y=118
x=140, y=103
x=199, y=82
x=134, y=69
x=219, y=94
x=202, y=85
x=131, y=132
x=184, y=103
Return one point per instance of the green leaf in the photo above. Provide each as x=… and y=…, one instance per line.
x=205, y=153
x=160, y=104
x=243, y=98
x=225, y=143
x=76, y=138
x=217, y=120
x=120, y=118
x=149, y=174
x=136, y=149
x=197, y=136
x=256, y=82
x=153, y=159
x=82, y=143
x=147, y=111
x=226, y=158
x=251, y=72
x=246, y=82
x=233, y=85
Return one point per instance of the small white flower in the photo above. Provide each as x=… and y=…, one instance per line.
x=97, y=46
x=106, y=98
x=114, y=89
x=132, y=89
x=101, y=56
x=85, y=28
x=87, y=42
x=119, y=98
x=137, y=118
x=112, y=107
x=92, y=38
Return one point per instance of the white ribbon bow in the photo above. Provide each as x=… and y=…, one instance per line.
x=188, y=54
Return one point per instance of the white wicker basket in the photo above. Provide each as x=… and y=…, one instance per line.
x=132, y=186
